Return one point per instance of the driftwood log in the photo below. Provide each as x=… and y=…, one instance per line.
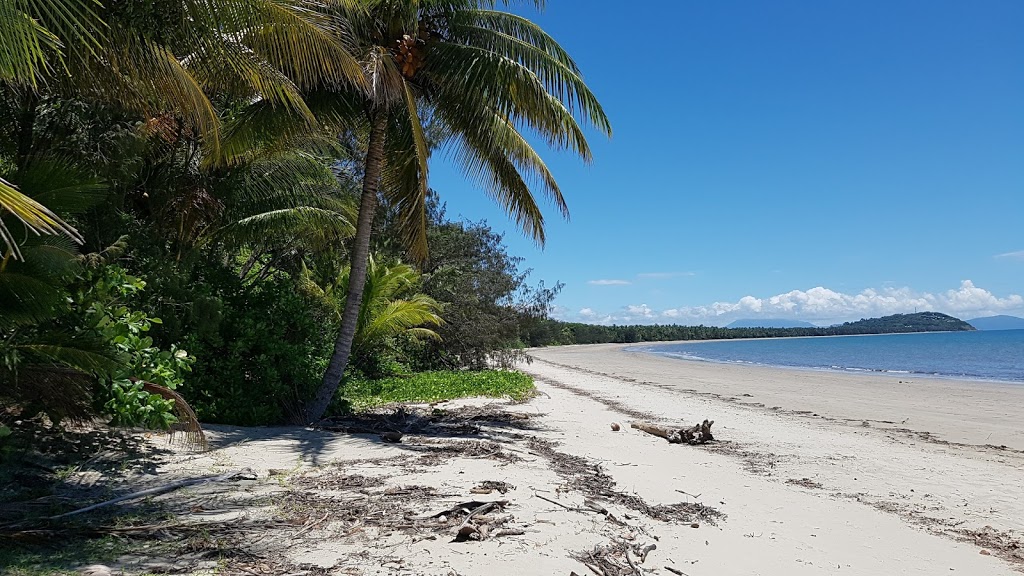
x=698, y=434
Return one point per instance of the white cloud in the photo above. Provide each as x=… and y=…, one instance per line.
x=609, y=282
x=822, y=305
x=661, y=275
x=1018, y=255
x=642, y=311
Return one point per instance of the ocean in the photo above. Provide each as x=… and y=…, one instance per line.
x=981, y=355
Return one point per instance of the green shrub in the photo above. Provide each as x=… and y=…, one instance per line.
x=265, y=353
x=101, y=302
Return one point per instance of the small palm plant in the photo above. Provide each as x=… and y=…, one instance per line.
x=391, y=308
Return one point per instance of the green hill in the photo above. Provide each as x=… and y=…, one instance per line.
x=917, y=322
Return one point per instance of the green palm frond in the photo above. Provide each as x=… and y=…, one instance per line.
x=25, y=45
x=467, y=77
x=398, y=317
x=405, y=175
x=34, y=216
x=71, y=353
x=54, y=371
x=290, y=221
x=142, y=75
x=297, y=38
x=35, y=35
x=390, y=305
x=62, y=393
x=61, y=184
x=489, y=81
x=31, y=289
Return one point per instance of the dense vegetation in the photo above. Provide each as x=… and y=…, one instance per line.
x=574, y=333
x=226, y=202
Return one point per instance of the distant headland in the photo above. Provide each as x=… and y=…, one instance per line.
x=576, y=333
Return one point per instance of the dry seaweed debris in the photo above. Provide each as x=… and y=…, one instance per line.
x=437, y=451
x=616, y=558
x=488, y=486
x=805, y=482
x=588, y=478
x=428, y=421
x=999, y=543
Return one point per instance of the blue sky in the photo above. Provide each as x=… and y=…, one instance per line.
x=817, y=160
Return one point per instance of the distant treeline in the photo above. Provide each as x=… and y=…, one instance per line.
x=559, y=333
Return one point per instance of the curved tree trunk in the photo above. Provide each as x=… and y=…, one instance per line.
x=357, y=280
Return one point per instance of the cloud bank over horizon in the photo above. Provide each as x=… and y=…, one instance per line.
x=818, y=305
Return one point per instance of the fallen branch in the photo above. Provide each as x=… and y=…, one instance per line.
x=556, y=503
x=674, y=571
x=698, y=434
x=635, y=568
x=465, y=523
x=463, y=507
x=157, y=490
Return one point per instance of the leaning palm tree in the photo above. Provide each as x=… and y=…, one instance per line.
x=482, y=77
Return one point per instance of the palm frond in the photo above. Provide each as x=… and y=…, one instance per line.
x=290, y=221
x=150, y=78
x=25, y=45
x=188, y=423
x=299, y=39
x=401, y=316
x=62, y=393
x=66, y=354
x=467, y=76
x=61, y=184
x=36, y=34
x=34, y=216
x=405, y=176
x=485, y=161
x=31, y=289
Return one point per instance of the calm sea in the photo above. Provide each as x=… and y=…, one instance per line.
x=982, y=355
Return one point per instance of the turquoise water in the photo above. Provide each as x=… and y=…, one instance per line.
x=982, y=355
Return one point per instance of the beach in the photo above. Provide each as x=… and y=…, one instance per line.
x=860, y=472
x=971, y=412
x=796, y=482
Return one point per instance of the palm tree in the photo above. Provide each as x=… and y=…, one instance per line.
x=482, y=77
x=166, y=61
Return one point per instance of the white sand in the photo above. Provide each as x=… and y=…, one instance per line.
x=887, y=501
x=972, y=412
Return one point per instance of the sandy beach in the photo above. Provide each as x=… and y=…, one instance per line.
x=797, y=481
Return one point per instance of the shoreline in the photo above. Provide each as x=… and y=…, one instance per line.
x=926, y=405
x=851, y=371
x=936, y=475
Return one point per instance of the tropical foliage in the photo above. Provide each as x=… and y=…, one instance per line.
x=189, y=195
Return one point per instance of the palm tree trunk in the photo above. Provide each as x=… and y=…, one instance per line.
x=357, y=279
